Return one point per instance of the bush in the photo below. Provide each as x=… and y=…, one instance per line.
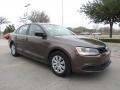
x=111, y=40
x=9, y=29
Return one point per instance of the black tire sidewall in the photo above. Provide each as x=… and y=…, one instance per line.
x=16, y=54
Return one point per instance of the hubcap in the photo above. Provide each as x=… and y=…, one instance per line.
x=13, y=49
x=58, y=64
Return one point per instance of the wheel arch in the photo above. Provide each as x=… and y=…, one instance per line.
x=61, y=50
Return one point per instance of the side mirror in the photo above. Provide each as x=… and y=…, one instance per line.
x=43, y=35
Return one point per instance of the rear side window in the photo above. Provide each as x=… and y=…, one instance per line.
x=35, y=29
x=23, y=30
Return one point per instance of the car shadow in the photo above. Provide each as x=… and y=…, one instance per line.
x=90, y=76
x=73, y=76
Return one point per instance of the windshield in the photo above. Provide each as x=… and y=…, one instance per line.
x=56, y=30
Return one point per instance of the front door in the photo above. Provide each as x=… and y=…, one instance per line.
x=36, y=44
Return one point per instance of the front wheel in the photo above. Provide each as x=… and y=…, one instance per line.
x=13, y=50
x=60, y=64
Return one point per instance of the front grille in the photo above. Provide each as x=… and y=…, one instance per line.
x=102, y=50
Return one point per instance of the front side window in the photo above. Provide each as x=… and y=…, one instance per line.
x=23, y=30
x=35, y=29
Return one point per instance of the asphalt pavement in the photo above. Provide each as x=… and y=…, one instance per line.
x=20, y=73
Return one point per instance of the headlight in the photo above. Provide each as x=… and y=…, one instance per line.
x=87, y=51
x=107, y=48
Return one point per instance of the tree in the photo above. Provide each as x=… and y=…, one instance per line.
x=106, y=11
x=3, y=20
x=9, y=29
x=37, y=16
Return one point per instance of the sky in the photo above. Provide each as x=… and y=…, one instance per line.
x=14, y=9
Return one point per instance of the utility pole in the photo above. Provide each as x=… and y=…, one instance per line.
x=62, y=13
x=27, y=7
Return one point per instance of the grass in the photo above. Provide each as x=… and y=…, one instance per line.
x=103, y=36
x=114, y=39
x=107, y=37
x=111, y=40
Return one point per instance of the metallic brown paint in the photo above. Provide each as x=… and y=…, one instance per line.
x=39, y=49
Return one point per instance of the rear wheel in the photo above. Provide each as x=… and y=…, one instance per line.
x=60, y=64
x=13, y=50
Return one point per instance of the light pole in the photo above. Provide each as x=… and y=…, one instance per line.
x=27, y=6
x=62, y=13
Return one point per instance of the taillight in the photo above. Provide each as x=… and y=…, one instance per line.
x=7, y=36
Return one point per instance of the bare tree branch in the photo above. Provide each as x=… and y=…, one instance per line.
x=37, y=16
x=3, y=20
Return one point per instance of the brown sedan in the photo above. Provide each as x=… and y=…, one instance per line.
x=64, y=51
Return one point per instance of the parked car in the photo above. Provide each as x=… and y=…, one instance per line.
x=85, y=33
x=96, y=33
x=57, y=46
x=7, y=36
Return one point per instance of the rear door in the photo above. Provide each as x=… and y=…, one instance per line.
x=35, y=44
x=21, y=37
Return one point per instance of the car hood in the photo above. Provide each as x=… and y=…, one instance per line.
x=77, y=40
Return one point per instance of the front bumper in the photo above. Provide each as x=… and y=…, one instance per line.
x=94, y=67
x=90, y=63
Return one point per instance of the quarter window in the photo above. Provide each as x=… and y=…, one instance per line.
x=23, y=30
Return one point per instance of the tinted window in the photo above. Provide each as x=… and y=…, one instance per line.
x=23, y=30
x=35, y=28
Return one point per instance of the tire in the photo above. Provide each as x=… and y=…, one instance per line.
x=13, y=50
x=60, y=64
